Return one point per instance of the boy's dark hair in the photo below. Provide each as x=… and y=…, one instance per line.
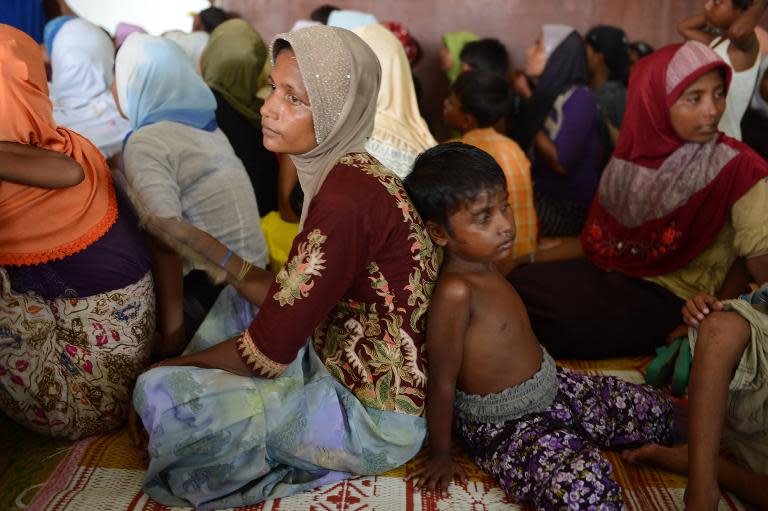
x=483, y=94
x=322, y=13
x=447, y=176
x=742, y=4
x=212, y=17
x=486, y=55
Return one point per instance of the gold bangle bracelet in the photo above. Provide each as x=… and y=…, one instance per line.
x=244, y=270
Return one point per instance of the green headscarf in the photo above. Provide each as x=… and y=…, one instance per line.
x=454, y=42
x=232, y=65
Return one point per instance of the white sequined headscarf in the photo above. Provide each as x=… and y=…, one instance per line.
x=342, y=76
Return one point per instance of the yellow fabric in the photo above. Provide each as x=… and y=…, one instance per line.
x=517, y=170
x=747, y=410
x=744, y=235
x=279, y=235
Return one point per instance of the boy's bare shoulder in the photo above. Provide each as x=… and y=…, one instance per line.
x=452, y=288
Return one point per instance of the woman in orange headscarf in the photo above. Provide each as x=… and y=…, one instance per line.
x=76, y=292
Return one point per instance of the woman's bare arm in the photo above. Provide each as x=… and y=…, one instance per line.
x=250, y=281
x=29, y=165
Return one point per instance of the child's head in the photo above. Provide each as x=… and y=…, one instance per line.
x=722, y=13
x=461, y=195
x=485, y=55
x=478, y=99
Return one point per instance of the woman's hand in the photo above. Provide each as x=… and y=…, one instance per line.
x=699, y=307
x=437, y=472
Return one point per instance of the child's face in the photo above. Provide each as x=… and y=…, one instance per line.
x=697, y=112
x=482, y=230
x=453, y=115
x=720, y=13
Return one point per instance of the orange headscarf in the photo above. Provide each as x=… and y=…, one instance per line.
x=38, y=225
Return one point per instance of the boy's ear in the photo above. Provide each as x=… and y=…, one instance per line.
x=438, y=233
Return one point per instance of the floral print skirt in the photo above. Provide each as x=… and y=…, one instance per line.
x=67, y=366
x=552, y=460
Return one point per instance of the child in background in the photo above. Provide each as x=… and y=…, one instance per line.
x=485, y=55
x=737, y=45
x=536, y=428
x=729, y=383
x=491, y=56
x=453, y=43
x=478, y=100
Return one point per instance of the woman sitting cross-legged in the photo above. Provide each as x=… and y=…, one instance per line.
x=328, y=380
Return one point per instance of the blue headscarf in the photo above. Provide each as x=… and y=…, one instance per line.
x=156, y=82
x=51, y=29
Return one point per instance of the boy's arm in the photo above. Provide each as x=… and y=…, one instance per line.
x=692, y=29
x=447, y=325
x=742, y=30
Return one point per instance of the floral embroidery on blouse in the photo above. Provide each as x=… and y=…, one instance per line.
x=257, y=361
x=658, y=243
x=370, y=346
x=295, y=279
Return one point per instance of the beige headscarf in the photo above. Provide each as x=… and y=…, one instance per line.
x=342, y=76
x=398, y=120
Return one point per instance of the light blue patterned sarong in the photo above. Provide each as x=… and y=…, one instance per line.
x=218, y=440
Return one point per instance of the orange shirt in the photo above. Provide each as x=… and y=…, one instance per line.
x=517, y=170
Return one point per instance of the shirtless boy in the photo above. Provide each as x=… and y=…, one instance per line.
x=535, y=427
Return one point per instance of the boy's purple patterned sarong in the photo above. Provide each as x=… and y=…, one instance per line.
x=552, y=459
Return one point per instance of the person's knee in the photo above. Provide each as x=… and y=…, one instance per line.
x=722, y=327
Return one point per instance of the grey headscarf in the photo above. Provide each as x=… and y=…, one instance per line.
x=342, y=76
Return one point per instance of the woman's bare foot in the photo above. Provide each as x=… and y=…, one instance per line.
x=674, y=459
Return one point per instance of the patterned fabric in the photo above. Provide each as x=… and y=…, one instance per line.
x=552, y=460
x=364, y=275
x=67, y=365
x=106, y=472
x=663, y=200
x=517, y=171
x=218, y=440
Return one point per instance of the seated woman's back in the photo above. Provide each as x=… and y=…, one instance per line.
x=177, y=162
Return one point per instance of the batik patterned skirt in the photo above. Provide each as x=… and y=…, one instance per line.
x=218, y=440
x=67, y=366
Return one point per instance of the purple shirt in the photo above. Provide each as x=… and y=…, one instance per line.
x=574, y=127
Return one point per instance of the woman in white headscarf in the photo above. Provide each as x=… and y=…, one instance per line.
x=82, y=58
x=193, y=44
x=273, y=414
x=400, y=134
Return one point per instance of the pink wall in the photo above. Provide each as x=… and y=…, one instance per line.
x=515, y=22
